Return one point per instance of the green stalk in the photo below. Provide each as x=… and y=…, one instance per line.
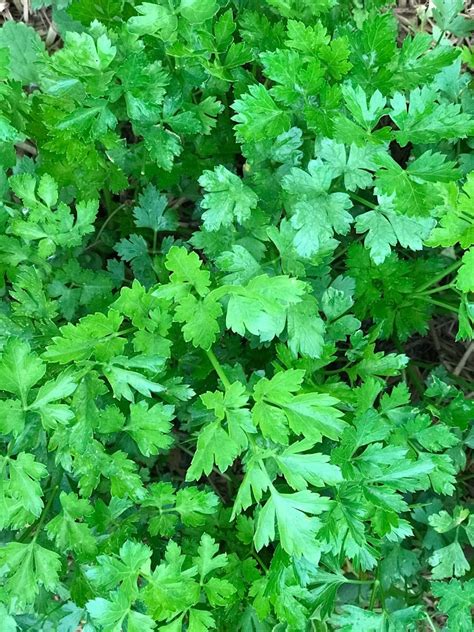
x=441, y=288
x=374, y=594
x=362, y=200
x=218, y=368
x=107, y=200
x=447, y=306
x=439, y=39
x=260, y=561
x=36, y=527
x=438, y=277
x=45, y=512
x=430, y=622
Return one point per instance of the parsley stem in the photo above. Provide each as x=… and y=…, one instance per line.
x=102, y=228
x=447, y=306
x=439, y=38
x=45, y=512
x=430, y=622
x=441, y=288
x=218, y=368
x=260, y=561
x=362, y=200
x=107, y=200
x=374, y=594
x=439, y=276
x=466, y=216
x=36, y=527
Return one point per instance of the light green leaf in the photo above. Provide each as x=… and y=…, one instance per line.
x=200, y=318
x=261, y=307
x=27, y=567
x=227, y=199
x=465, y=277
x=449, y=561
x=198, y=11
x=258, y=117
x=20, y=369
x=150, y=428
x=296, y=525
x=301, y=469
x=154, y=19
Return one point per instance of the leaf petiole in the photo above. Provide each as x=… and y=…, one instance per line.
x=363, y=201
x=439, y=276
x=218, y=368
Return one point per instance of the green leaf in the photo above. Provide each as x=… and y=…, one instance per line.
x=353, y=617
x=354, y=164
x=213, y=446
x=258, y=117
x=190, y=503
x=153, y=19
x=446, y=14
x=455, y=224
x=186, y=269
x=67, y=530
x=316, y=214
x=27, y=567
x=240, y=266
x=135, y=251
x=152, y=211
x=24, y=481
x=419, y=62
x=465, y=277
x=124, y=381
x=296, y=525
x=200, y=318
x=163, y=146
x=171, y=589
x=306, y=329
x=442, y=522
x=278, y=410
x=95, y=335
x=111, y=613
x=261, y=307
x=8, y=621
x=20, y=369
x=231, y=407
x=63, y=386
x=365, y=112
x=200, y=621
x=198, y=11
x=208, y=560
x=385, y=229
x=449, y=561
x=123, y=569
x=227, y=199
x=26, y=51
x=150, y=427
x=301, y=469
x=411, y=188
x=455, y=600
x=425, y=120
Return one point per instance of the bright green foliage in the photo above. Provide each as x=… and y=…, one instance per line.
x=229, y=233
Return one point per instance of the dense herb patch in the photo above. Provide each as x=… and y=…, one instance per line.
x=223, y=225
